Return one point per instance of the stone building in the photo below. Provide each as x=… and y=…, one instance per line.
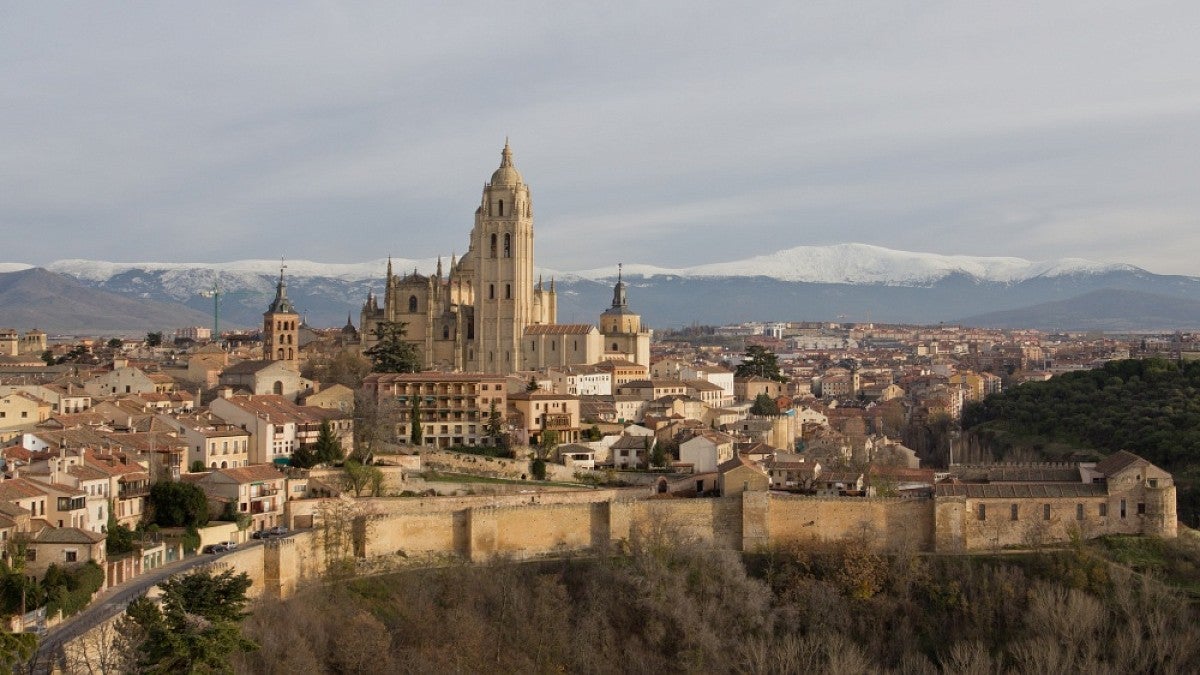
x=486, y=313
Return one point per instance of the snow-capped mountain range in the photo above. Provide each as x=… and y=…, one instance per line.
x=838, y=264
x=853, y=282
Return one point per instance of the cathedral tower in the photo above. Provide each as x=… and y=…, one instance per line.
x=502, y=258
x=281, y=327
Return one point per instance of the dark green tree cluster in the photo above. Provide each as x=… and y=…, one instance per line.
x=759, y=361
x=197, y=629
x=392, y=353
x=176, y=504
x=1150, y=407
x=764, y=405
x=326, y=450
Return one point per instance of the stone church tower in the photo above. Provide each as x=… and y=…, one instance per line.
x=501, y=254
x=281, y=327
x=622, y=329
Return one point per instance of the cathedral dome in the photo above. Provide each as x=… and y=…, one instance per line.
x=507, y=175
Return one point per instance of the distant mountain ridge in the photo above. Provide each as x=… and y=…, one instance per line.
x=849, y=282
x=57, y=303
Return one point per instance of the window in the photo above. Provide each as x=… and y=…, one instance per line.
x=983, y=511
x=1122, y=508
x=1104, y=510
x=30, y=554
x=1045, y=512
x=1013, y=512
x=491, y=291
x=1153, y=482
x=508, y=291
x=508, y=246
x=493, y=246
x=500, y=206
x=70, y=556
x=1079, y=512
x=412, y=304
x=445, y=332
x=1141, y=508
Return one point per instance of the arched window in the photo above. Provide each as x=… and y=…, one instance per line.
x=278, y=388
x=493, y=246
x=412, y=304
x=501, y=207
x=291, y=354
x=224, y=465
x=445, y=332
x=614, y=347
x=281, y=353
x=507, y=245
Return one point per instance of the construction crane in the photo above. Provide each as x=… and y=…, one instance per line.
x=216, y=294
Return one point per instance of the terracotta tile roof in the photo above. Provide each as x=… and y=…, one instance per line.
x=1117, y=462
x=1019, y=490
x=21, y=488
x=252, y=473
x=67, y=535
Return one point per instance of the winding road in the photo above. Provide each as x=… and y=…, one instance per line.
x=111, y=602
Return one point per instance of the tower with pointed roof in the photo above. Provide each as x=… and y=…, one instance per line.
x=281, y=326
x=621, y=327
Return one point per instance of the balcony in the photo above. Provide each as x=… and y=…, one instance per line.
x=557, y=421
x=264, y=491
x=133, y=490
x=72, y=503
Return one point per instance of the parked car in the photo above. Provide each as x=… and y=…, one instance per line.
x=215, y=548
x=229, y=545
x=278, y=531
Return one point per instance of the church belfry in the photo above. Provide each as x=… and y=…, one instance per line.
x=281, y=326
x=502, y=257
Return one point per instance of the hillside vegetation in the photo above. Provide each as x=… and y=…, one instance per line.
x=1150, y=407
x=672, y=607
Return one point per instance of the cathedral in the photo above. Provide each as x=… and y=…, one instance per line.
x=486, y=314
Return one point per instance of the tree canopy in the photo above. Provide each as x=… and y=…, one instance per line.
x=762, y=362
x=392, y=353
x=764, y=405
x=175, y=504
x=198, y=627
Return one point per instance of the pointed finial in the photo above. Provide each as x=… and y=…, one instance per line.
x=539, y=282
x=551, y=284
x=619, y=266
x=506, y=154
x=439, y=267
x=389, y=272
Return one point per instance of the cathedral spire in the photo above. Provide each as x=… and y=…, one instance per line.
x=389, y=272
x=281, y=304
x=439, y=267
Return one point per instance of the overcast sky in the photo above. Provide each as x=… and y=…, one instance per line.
x=656, y=132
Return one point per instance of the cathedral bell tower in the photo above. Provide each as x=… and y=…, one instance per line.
x=281, y=326
x=502, y=248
